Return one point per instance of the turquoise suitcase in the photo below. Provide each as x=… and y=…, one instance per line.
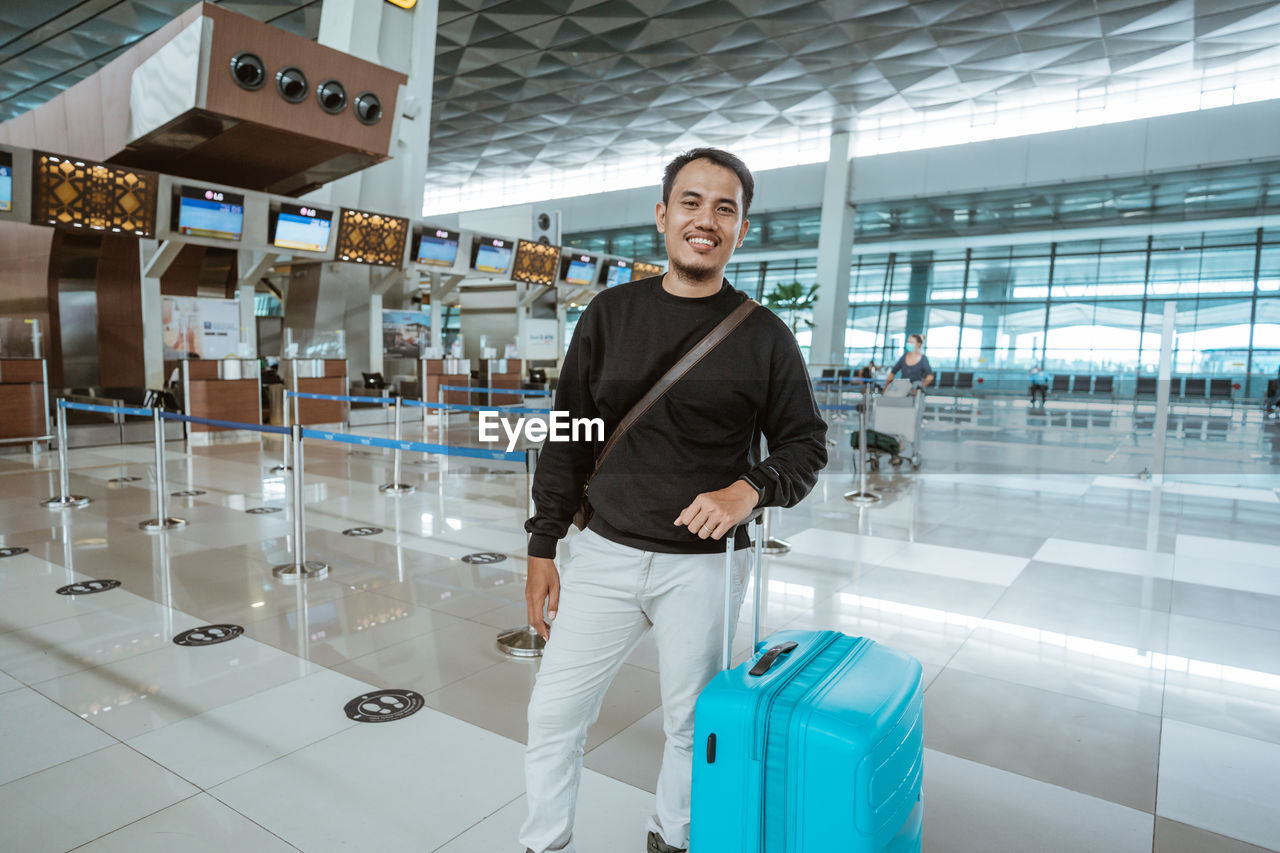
x=815, y=745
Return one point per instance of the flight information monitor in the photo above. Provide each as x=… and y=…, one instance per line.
x=578, y=269
x=303, y=228
x=438, y=247
x=489, y=254
x=617, y=272
x=6, y=180
x=209, y=213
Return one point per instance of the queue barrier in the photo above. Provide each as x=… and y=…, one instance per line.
x=460, y=407
x=862, y=495
x=413, y=446
x=511, y=392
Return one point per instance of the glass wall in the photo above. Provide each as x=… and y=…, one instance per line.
x=1083, y=308
x=1079, y=307
x=1093, y=307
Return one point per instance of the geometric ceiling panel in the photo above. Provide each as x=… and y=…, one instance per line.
x=556, y=84
x=668, y=73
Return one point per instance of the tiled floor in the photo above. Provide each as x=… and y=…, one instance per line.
x=1102, y=658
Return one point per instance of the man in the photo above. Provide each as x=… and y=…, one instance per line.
x=1039, y=385
x=675, y=483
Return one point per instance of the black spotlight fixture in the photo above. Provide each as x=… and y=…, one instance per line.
x=368, y=108
x=248, y=71
x=291, y=83
x=332, y=96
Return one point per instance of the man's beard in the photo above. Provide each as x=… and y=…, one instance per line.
x=700, y=274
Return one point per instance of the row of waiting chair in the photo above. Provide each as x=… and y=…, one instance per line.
x=1195, y=388
x=1082, y=383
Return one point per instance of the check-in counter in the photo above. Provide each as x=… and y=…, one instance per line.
x=499, y=373
x=445, y=371
x=225, y=389
x=24, y=399
x=317, y=376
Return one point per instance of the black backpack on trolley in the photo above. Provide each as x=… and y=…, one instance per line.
x=877, y=442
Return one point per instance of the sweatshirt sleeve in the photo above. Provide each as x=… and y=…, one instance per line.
x=563, y=466
x=794, y=430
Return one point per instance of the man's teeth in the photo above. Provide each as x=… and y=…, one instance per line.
x=701, y=241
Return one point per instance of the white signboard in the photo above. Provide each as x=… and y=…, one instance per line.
x=195, y=327
x=541, y=340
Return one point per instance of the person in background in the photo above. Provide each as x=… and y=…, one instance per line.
x=912, y=366
x=1269, y=407
x=1039, y=385
x=868, y=371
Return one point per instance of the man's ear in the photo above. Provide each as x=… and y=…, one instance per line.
x=742, y=233
x=659, y=214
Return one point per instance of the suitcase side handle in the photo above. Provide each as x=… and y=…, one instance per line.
x=769, y=658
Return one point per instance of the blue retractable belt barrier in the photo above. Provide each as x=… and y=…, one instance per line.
x=174, y=416
x=106, y=410
x=341, y=398
x=412, y=446
x=514, y=392
x=840, y=408
x=458, y=407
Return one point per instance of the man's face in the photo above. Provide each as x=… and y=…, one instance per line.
x=702, y=221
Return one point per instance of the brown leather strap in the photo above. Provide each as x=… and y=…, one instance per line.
x=713, y=339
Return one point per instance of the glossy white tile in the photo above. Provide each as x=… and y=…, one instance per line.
x=79, y=800
x=36, y=734
x=199, y=824
x=1111, y=558
x=218, y=745
x=412, y=784
x=1220, y=782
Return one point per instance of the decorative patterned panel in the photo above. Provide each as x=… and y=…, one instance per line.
x=643, y=270
x=536, y=263
x=70, y=193
x=371, y=238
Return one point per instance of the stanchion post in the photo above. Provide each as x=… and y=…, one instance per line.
x=301, y=567
x=284, y=452
x=163, y=521
x=396, y=487
x=524, y=642
x=64, y=498
x=772, y=545
x=863, y=496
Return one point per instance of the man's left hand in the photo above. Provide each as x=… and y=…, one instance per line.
x=713, y=514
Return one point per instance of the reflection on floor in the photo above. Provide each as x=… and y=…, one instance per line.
x=1102, y=657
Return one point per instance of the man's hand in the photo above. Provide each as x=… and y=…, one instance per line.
x=542, y=587
x=713, y=514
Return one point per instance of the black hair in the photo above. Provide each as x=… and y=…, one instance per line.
x=721, y=158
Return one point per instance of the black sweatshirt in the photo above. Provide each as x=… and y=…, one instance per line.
x=700, y=436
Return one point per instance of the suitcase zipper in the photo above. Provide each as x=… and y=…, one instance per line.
x=797, y=667
x=784, y=786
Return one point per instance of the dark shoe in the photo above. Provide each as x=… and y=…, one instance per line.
x=657, y=845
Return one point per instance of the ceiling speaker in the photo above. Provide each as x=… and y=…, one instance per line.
x=368, y=108
x=248, y=71
x=291, y=83
x=332, y=96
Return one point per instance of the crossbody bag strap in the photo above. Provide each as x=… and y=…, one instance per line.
x=713, y=339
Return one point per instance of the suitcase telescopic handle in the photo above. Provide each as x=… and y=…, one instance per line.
x=731, y=539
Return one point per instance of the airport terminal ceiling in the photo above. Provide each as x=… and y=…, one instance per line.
x=530, y=85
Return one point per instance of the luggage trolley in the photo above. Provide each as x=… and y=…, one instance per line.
x=895, y=426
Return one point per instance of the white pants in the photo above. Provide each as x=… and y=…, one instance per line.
x=610, y=596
